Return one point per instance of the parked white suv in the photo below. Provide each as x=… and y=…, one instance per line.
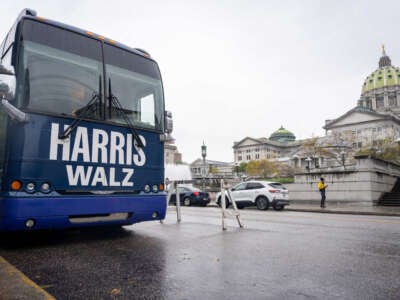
x=262, y=194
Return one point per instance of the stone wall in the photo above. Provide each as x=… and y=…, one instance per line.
x=365, y=182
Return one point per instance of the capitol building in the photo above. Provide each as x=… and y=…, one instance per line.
x=376, y=117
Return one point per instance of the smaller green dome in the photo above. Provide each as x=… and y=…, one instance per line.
x=282, y=135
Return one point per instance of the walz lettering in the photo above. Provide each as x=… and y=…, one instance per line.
x=89, y=176
x=97, y=146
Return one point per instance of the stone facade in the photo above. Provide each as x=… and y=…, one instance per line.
x=366, y=181
x=364, y=128
x=276, y=147
x=211, y=168
x=171, y=154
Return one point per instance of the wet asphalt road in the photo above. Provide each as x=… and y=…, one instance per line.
x=278, y=255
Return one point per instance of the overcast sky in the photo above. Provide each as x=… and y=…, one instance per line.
x=233, y=69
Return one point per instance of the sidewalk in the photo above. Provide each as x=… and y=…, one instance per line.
x=340, y=208
x=351, y=208
x=15, y=285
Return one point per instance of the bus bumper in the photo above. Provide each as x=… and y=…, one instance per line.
x=31, y=213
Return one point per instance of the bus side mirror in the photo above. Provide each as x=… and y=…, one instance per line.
x=7, y=84
x=168, y=127
x=169, y=123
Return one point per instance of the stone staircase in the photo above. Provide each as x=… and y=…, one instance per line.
x=392, y=198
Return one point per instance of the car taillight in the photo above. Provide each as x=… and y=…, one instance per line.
x=273, y=191
x=196, y=193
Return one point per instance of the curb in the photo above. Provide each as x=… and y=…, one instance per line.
x=15, y=285
x=345, y=212
x=333, y=211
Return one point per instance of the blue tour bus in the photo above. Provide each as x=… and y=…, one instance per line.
x=82, y=129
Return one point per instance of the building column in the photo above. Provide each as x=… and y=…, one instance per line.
x=398, y=98
x=385, y=100
x=373, y=101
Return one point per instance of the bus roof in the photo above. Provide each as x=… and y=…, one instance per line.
x=28, y=13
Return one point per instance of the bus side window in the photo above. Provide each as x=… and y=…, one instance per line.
x=147, y=109
x=6, y=62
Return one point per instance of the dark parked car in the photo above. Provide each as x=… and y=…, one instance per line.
x=190, y=196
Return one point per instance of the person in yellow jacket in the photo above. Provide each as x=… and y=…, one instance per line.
x=322, y=186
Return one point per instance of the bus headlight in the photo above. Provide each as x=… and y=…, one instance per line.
x=147, y=188
x=155, y=188
x=30, y=187
x=45, y=188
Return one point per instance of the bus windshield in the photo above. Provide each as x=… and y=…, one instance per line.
x=137, y=85
x=60, y=71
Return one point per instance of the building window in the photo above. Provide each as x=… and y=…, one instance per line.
x=379, y=102
x=248, y=157
x=257, y=156
x=368, y=103
x=359, y=144
x=239, y=157
x=392, y=99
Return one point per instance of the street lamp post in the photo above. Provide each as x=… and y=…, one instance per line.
x=343, y=157
x=204, y=154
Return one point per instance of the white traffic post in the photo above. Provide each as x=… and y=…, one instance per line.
x=225, y=192
x=237, y=214
x=223, y=204
x=166, y=203
x=178, y=203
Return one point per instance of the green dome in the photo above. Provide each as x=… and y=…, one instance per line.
x=385, y=75
x=282, y=135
